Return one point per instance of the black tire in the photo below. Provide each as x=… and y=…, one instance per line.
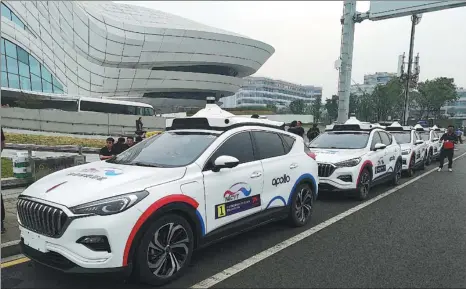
x=364, y=185
x=423, y=164
x=410, y=171
x=429, y=158
x=302, y=205
x=169, y=257
x=397, y=173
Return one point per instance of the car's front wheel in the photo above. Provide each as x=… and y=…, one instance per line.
x=397, y=173
x=302, y=205
x=410, y=171
x=429, y=158
x=165, y=250
x=364, y=185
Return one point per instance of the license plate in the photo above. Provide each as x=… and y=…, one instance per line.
x=34, y=241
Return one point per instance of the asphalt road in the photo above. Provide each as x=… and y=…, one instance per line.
x=415, y=237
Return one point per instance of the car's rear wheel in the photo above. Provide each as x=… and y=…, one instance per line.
x=429, y=158
x=397, y=173
x=302, y=205
x=165, y=250
x=364, y=185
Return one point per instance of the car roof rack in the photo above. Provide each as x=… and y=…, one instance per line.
x=352, y=124
x=396, y=126
x=212, y=117
x=435, y=128
x=419, y=127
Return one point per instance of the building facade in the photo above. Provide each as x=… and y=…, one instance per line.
x=262, y=91
x=371, y=81
x=105, y=49
x=457, y=109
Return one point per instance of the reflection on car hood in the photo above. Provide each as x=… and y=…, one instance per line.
x=336, y=155
x=405, y=146
x=98, y=180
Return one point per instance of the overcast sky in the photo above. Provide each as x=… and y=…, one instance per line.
x=306, y=36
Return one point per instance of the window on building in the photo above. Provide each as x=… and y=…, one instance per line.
x=6, y=12
x=22, y=71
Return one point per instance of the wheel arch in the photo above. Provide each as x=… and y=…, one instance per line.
x=366, y=164
x=305, y=179
x=181, y=205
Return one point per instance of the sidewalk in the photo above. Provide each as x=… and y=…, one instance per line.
x=10, y=197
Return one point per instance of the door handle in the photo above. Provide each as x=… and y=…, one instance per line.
x=293, y=166
x=256, y=175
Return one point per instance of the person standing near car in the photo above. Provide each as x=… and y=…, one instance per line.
x=1, y=196
x=107, y=152
x=313, y=132
x=449, y=140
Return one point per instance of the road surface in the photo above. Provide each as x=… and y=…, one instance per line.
x=410, y=236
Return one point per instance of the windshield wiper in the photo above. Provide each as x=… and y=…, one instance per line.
x=142, y=164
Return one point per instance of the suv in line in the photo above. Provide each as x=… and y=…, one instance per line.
x=205, y=178
x=413, y=147
x=430, y=136
x=355, y=156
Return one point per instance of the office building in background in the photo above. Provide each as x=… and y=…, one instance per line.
x=371, y=81
x=110, y=50
x=263, y=91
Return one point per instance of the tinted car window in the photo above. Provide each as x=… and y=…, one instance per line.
x=402, y=137
x=289, y=142
x=376, y=139
x=269, y=144
x=340, y=140
x=238, y=146
x=386, y=138
x=425, y=135
x=169, y=149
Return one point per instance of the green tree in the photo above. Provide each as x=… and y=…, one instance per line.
x=353, y=104
x=434, y=94
x=331, y=105
x=298, y=106
x=272, y=107
x=388, y=100
x=316, y=108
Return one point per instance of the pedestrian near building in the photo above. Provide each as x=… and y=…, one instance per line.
x=448, y=148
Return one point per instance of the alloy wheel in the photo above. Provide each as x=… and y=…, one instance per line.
x=168, y=250
x=304, y=201
x=364, y=184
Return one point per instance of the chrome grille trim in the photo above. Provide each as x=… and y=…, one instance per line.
x=325, y=170
x=41, y=218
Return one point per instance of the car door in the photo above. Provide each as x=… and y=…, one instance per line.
x=435, y=142
x=418, y=149
x=280, y=169
x=378, y=157
x=390, y=151
x=232, y=194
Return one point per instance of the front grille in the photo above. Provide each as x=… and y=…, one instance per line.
x=325, y=170
x=40, y=218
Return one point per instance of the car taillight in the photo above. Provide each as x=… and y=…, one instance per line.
x=312, y=155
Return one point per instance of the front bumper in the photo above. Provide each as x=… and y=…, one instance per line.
x=342, y=179
x=59, y=262
x=405, y=161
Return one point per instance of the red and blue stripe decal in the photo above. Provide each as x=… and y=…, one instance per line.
x=154, y=207
x=302, y=177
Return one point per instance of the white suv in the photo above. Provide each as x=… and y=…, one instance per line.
x=414, y=149
x=206, y=178
x=430, y=136
x=356, y=156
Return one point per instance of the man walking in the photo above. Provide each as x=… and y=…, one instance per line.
x=449, y=140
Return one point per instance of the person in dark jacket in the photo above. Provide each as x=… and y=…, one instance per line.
x=140, y=127
x=120, y=146
x=449, y=140
x=300, y=129
x=313, y=132
x=138, y=139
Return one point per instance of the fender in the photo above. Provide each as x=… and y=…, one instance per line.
x=305, y=178
x=365, y=164
x=182, y=203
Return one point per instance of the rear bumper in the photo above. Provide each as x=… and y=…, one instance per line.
x=59, y=262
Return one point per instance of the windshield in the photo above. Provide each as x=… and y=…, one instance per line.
x=425, y=135
x=402, y=137
x=169, y=149
x=340, y=140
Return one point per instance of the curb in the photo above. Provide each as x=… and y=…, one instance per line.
x=47, y=148
x=11, y=183
x=10, y=249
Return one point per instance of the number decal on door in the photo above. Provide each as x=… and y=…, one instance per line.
x=221, y=211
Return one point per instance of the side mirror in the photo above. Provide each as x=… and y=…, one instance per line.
x=418, y=142
x=223, y=162
x=379, y=146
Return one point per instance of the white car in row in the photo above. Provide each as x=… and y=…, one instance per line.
x=207, y=177
x=431, y=137
x=355, y=156
x=413, y=147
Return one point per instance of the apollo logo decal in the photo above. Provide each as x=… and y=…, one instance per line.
x=281, y=180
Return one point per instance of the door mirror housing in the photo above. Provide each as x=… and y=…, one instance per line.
x=418, y=142
x=379, y=146
x=223, y=162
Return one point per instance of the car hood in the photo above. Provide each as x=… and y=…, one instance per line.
x=336, y=155
x=98, y=180
x=405, y=146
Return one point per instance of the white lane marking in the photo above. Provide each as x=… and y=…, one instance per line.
x=235, y=269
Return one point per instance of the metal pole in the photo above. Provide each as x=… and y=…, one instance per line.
x=346, y=57
x=408, y=75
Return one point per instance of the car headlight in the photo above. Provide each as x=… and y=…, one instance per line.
x=349, y=163
x=110, y=206
x=406, y=152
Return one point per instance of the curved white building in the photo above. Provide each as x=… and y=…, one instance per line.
x=105, y=49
